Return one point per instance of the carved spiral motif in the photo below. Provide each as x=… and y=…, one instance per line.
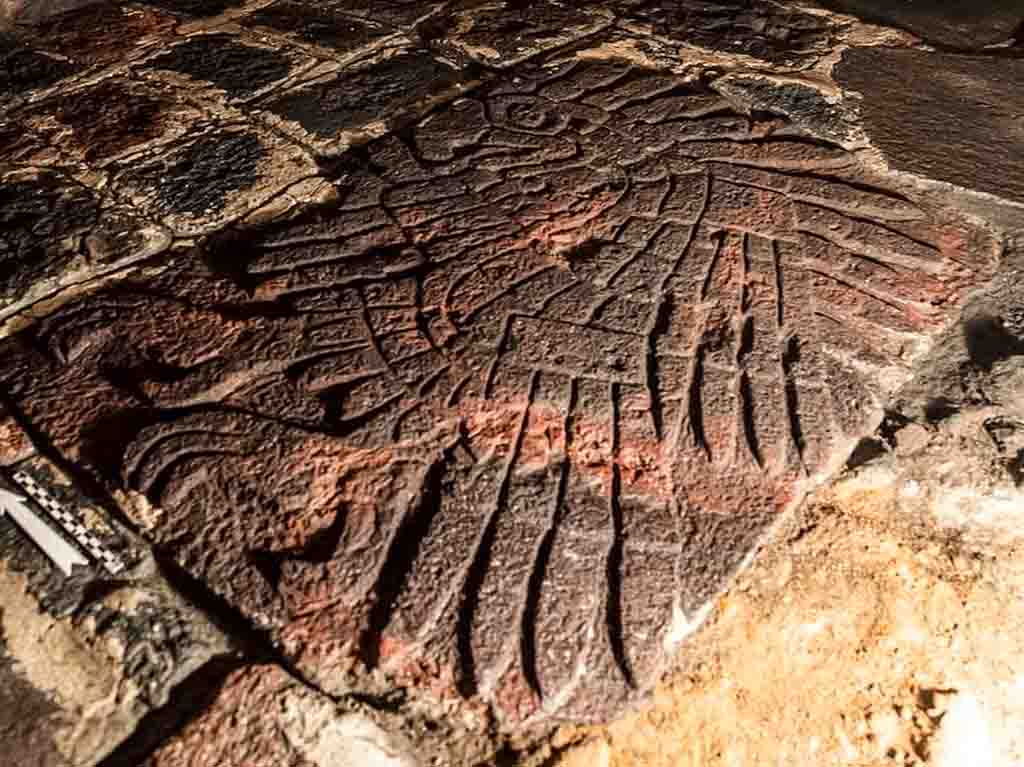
x=517, y=406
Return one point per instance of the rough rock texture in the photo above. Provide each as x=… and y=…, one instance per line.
x=963, y=25
x=965, y=123
x=897, y=590
x=458, y=354
x=912, y=631
x=559, y=344
x=85, y=660
x=261, y=717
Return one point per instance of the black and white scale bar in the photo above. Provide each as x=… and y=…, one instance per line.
x=71, y=524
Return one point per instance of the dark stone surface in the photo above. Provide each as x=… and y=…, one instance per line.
x=71, y=43
x=43, y=220
x=949, y=117
x=504, y=33
x=773, y=32
x=238, y=69
x=195, y=8
x=804, y=105
x=322, y=24
x=402, y=13
x=528, y=392
x=956, y=24
x=100, y=34
x=355, y=98
x=110, y=118
x=15, y=13
x=23, y=69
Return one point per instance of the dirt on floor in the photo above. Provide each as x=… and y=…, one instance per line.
x=884, y=625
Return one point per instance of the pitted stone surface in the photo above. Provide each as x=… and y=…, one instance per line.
x=784, y=35
x=85, y=659
x=239, y=69
x=511, y=411
x=25, y=68
x=39, y=211
x=335, y=111
x=504, y=33
x=325, y=25
x=54, y=229
x=464, y=348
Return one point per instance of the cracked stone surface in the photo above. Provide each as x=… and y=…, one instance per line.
x=84, y=660
x=464, y=351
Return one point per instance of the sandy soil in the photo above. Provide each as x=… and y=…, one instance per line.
x=883, y=626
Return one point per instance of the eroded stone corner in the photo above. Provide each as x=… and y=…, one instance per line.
x=92, y=656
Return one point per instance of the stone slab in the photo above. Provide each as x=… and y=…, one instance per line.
x=497, y=424
x=948, y=117
x=964, y=25
x=484, y=343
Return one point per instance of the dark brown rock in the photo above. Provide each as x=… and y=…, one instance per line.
x=25, y=68
x=214, y=174
x=956, y=24
x=196, y=8
x=238, y=69
x=780, y=34
x=401, y=13
x=41, y=219
x=89, y=656
x=500, y=423
x=74, y=43
x=947, y=117
x=325, y=25
x=101, y=33
x=332, y=113
x=56, y=232
x=500, y=34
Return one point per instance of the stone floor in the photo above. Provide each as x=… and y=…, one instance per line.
x=612, y=288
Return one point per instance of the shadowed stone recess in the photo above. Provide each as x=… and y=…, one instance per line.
x=502, y=419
